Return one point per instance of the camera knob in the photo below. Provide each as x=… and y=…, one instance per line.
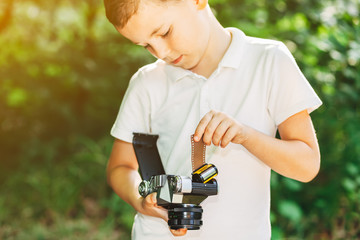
x=176, y=184
x=144, y=188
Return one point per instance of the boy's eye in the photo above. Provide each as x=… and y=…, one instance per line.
x=167, y=33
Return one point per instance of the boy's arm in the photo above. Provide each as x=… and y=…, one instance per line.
x=295, y=156
x=124, y=179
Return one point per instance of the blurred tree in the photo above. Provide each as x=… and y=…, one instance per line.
x=6, y=16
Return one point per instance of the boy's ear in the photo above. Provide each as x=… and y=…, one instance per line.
x=201, y=4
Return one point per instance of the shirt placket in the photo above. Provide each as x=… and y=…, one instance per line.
x=204, y=100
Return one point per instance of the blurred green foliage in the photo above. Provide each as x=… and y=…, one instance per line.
x=64, y=70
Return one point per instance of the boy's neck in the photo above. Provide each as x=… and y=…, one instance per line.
x=219, y=42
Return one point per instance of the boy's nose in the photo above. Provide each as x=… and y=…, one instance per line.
x=161, y=50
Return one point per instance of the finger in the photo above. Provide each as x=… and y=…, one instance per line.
x=199, y=131
x=220, y=131
x=229, y=135
x=162, y=213
x=150, y=200
x=211, y=127
x=178, y=232
x=150, y=205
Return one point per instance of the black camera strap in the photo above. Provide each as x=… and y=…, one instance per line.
x=147, y=155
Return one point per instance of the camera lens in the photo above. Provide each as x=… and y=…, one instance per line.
x=185, y=216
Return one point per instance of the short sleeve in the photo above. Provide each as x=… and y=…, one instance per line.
x=134, y=111
x=290, y=92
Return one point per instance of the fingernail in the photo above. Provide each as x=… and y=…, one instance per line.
x=196, y=138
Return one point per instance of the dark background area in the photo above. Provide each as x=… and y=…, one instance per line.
x=64, y=70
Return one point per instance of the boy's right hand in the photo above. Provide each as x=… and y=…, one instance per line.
x=150, y=207
x=124, y=178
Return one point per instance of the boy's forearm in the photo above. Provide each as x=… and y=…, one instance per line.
x=125, y=181
x=291, y=158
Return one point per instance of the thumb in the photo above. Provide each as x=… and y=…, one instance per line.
x=150, y=200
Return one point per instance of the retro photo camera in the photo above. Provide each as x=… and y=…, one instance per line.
x=180, y=195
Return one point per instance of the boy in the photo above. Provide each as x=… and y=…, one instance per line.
x=233, y=91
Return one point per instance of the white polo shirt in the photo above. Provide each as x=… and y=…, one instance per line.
x=259, y=84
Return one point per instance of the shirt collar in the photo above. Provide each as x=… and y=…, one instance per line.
x=230, y=59
x=175, y=73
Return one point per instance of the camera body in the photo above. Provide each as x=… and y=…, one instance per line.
x=181, y=195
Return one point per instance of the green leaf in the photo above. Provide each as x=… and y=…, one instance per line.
x=349, y=184
x=292, y=184
x=290, y=210
x=16, y=97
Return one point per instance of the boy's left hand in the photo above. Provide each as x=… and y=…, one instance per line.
x=220, y=129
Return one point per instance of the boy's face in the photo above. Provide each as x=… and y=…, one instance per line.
x=174, y=31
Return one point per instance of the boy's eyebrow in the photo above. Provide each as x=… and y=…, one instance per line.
x=155, y=31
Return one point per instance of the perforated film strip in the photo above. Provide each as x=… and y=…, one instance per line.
x=197, y=153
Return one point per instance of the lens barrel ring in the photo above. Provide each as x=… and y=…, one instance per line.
x=185, y=216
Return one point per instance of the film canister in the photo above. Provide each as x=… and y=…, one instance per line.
x=204, y=173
